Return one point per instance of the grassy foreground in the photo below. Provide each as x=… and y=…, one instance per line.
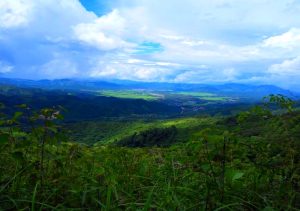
x=247, y=162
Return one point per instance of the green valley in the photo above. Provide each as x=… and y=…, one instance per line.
x=149, y=105
x=128, y=150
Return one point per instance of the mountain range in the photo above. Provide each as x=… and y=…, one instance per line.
x=249, y=91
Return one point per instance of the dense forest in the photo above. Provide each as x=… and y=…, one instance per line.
x=246, y=161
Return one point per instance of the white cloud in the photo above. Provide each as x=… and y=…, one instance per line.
x=104, y=32
x=14, y=13
x=131, y=72
x=5, y=68
x=198, y=40
x=130, y=69
x=207, y=75
x=59, y=68
x=290, y=67
x=289, y=39
x=51, y=19
x=193, y=51
x=230, y=74
x=219, y=19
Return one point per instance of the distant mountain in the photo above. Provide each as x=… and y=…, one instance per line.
x=230, y=89
x=60, y=84
x=243, y=91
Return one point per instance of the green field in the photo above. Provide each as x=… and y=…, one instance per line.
x=129, y=94
x=139, y=94
x=197, y=94
x=204, y=96
x=215, y=98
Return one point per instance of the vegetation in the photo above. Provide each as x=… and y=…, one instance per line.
x=113, y=130
x=153, y=137
x=129, y=94
x=249, y=161
x=205, y=96
x=83, y=106
x=146, y=95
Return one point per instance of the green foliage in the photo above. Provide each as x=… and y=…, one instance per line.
x=83, y=106
x=222, y=166
x=280, y=101
x=153, y=137
x=265, y=111
x=113, y=130
x=4, y=138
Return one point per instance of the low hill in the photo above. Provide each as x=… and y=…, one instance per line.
x=81, y=106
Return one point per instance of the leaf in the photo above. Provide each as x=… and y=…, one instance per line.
x=205, y=167
x=268, y=209
x=4, y=138
x=21, y=106
x=232, y=175
x=19, y=134
x=24, y=143
x=52, y=129
x=59, y=116
x=237, y=176
x=18, y=156
x=17, y=115
x=99, y=171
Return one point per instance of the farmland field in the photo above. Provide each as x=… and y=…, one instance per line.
x=129, y=94
x=147, y=95
x=204, y=96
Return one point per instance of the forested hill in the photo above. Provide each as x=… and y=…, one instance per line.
x=80, y=106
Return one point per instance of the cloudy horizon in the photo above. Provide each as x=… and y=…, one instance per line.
x=193, y=41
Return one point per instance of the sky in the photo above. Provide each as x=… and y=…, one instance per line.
x=190, y=41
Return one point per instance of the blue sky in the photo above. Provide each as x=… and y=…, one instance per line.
x=195, y=41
